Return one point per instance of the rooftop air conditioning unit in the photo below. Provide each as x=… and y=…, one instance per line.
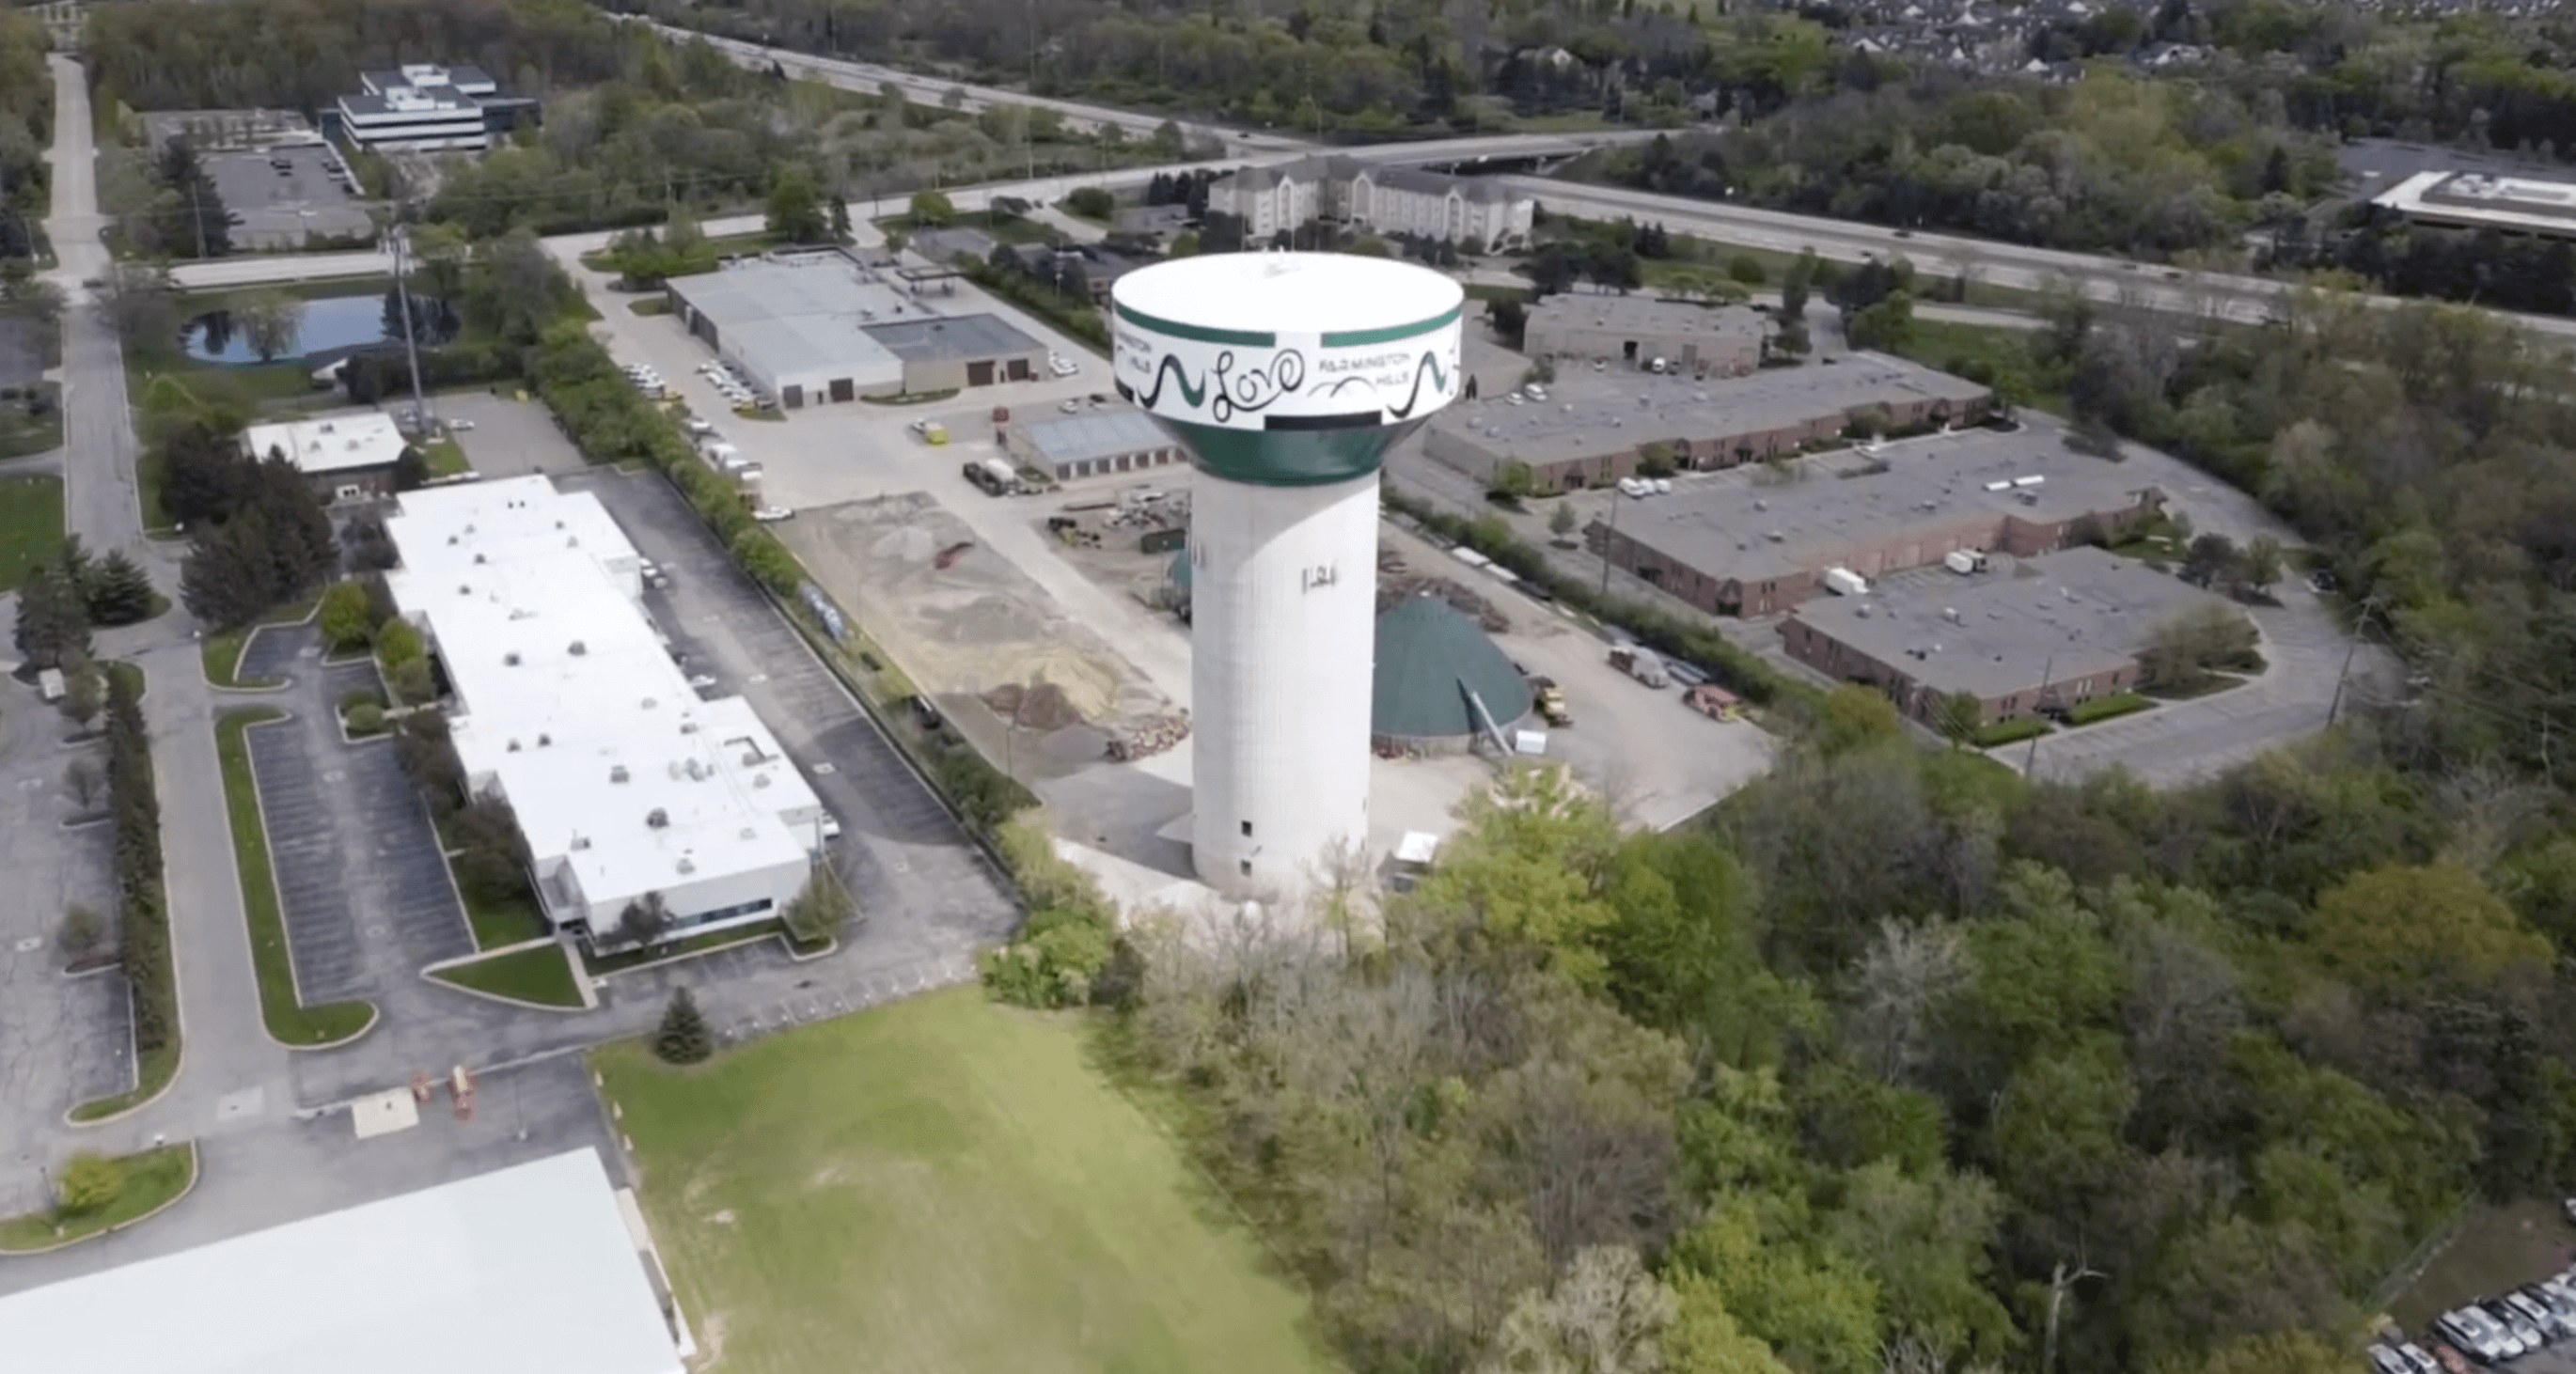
x=544, y=740
x=579, y=648
x=657, y=819
x=509, y=660
x=688, y=865
x=617, y=774
x=581, y=842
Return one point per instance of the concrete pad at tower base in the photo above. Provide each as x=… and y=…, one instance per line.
x=385, y=1113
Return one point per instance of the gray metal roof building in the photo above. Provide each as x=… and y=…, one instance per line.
x=1093, y=444
x=796, y=326
x=2065, y=627
x=1694, y=338
x=1752, y=541
x=1430, y=656
x=1592, y=426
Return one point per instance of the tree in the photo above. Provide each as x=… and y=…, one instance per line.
x=1562, y=520
x=2260, y=567
x=2184, y=651
x=1746, y=268
x=141, y=303
x=53, y=623
x=1925, y=1239
x=644, y=919
x=1852, y=717
x=2406, y=925
x=84, y=692
x=683, y=1037
x=346, y=618
x=87, y=1183
x=1887, y=325
x=2211, y=561
x=819, y=912
x=1605, y=1315
x=796, y=212
x=81, y=931
x=188, y=218
x=119, y=592
x=270, y=321
x=1091, y=202
x=932, y=208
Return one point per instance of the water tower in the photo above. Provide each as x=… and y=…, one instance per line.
x=1286, y=375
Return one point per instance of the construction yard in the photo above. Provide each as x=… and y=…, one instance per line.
x=999, y=657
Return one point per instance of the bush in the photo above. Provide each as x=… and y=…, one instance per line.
x=2008, y=731
x=2104, y=708
x=1092, y=202
x=88, y=1183
x=366, y=719
x=345, y=617
x=1072, y=934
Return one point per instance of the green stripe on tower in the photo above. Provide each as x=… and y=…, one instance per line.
x=1361, y=338
x=1247, y=338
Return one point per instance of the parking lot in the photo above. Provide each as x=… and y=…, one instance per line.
x=280, y=208
x=365, y=892
x=504, y=437
x=63, y=1040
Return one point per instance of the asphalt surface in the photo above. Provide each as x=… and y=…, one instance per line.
x=280, y=209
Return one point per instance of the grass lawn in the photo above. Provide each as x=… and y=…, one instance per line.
x=600, y=965
x=1953, y=348
x=31, y=525
x=153, y=1179
x=446, y=457
x=650, y=305
x=2008, y=731
x=2105, y=708
x=288, y=1020
x=941, y=1184
x=542, y=975
x=2497, y=1248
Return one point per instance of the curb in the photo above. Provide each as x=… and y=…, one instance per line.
x=196, y=1171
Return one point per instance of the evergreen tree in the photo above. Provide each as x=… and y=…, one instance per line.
x=683, y=1037
x=53, y=623
x=189, y=217
x=118, y=593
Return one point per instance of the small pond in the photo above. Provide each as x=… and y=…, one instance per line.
x=332, y=325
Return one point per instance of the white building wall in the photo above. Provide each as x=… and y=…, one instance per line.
x=1284, y=592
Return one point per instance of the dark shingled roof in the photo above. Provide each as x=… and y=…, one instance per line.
x=1425, y=648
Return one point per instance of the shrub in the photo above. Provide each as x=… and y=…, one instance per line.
x=366, y=719
x=1072, y=934
x=88, y=1183
x=81, y=931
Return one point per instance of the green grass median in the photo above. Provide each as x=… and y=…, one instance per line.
x=541, y=974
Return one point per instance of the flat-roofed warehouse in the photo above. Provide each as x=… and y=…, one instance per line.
x=2482, y=200
x=1696, y=339
x=2026, y=636
x=1597, y=429
x=1096, y=444
x=949, y=352
x=1748, y=543
x=541, y=1268
x=810, y=329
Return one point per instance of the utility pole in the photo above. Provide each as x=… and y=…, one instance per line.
x=2046, y=672
x=1605, y=547
x=2359, y=626
x=411, y=335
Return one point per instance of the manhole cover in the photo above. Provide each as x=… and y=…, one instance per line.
x=826, y=769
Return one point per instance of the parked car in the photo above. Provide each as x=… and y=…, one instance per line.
x=2387, y=1361
x=2543, y=1320
x=2516, y=1325
x=771, y=515
x=2416, y=1357
x=2448, y=1356
x=2476, y=1334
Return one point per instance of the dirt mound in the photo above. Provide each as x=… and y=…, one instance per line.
x=1040, y=706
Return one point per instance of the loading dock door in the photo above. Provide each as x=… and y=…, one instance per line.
x=980, y=374
x=1021, y=371
x=792, y=397
x=843, y=389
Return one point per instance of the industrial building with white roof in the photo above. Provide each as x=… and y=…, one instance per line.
x=541, y=1268
x=344, y=456
x=2482, y=200
x=568, y=706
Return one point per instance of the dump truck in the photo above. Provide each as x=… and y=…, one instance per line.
x=1640, y=664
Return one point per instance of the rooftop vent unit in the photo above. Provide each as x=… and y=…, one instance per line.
x=463, y=590
x=687, y=864
x=578, y=649
x=509, y=660
x=581, y=842
x=544, y=740
x=514, y=746
x=749, y=834
x=657, y=819
x=478, y=558
x=451, y=541
x=760, y=780
x=617, y=774
x=648, y=703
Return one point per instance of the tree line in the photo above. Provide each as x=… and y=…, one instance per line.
x=26, y=130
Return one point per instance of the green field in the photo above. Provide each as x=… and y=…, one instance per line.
x=941, y=1185
x=31, y=525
